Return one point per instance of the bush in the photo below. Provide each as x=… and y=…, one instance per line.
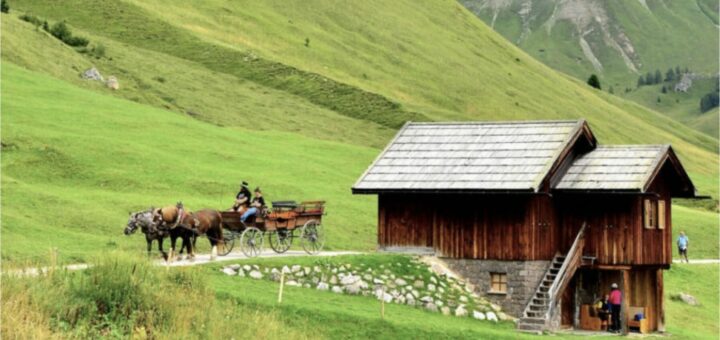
x=98, y=51
x=594, y=82
x=76, y=41
x=4, y=7
x=31, y=19
x=61, y=31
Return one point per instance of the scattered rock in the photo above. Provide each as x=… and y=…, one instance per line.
x=495, y=307
x=502, y=316
x=431, y=307
x=433, y=280
x=92, y=74
x=234, y=266
x=112, y=83
x=229, y=271
x=337, y=289
x=286, y=270
x=296, y=268
x=378, y=281
x=368, y=277
x=317, y=269
x=445, y=310
x=431, y=287
x=307, y=270
x=478, y=315
x=292, y=283
x=349, y=280
x=427, y=299
x=686, y=298
x=333, y=280
x=400, y=282
x=491, y=316
x=247, y=268
x=461, y=311
x=256, y=274
x=323, y=286
x=463, y=299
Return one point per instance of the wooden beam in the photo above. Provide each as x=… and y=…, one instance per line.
x=625, y=303
x=659, y=295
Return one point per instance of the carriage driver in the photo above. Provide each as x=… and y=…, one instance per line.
x=257, y=204
x=242, y=199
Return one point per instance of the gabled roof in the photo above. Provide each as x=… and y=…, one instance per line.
x=471, y=156
x=622, y=168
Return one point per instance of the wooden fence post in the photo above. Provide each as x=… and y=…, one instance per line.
x=282, y=283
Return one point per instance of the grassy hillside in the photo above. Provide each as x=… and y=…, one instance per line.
x=75, y=162
x=617, y=40
x=384, y=62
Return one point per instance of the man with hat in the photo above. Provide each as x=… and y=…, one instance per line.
x=242, y=199
x=615, y=301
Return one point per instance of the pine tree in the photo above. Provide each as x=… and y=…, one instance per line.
x=677, y=71
x=640, y=81
x=658, y=77
x=4, y=7
x=594, y=82
x=670, y=75
x=649, y=79
x=664, y=89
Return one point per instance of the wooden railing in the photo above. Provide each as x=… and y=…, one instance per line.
x=573, y=259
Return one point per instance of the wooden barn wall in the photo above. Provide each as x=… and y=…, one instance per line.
x=616, y=234
x=497, y=227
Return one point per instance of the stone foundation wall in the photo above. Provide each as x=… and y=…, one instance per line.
x=523, y=277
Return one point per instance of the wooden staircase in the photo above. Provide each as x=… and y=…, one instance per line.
x=541, y=310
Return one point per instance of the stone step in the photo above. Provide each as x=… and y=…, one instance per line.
x=530, y=328
x=533, y=320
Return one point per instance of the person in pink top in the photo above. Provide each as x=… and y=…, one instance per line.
x=615, y=302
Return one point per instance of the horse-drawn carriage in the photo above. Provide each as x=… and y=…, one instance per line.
x=280, y=224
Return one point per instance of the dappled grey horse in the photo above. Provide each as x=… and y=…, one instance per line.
x=144, y=221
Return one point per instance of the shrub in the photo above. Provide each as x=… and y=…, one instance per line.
x=594, y=82
x=98, y=51
x=4, y=7
x=60, y=31
x=31, y=19
x=75, y=41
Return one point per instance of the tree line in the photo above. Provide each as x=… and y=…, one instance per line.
x=657, y=77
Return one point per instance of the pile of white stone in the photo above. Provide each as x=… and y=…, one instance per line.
x=422, y=289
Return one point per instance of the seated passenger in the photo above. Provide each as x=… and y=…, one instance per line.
x=242, y=199
x=257, y=204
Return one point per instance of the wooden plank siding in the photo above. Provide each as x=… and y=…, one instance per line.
x=500, y=227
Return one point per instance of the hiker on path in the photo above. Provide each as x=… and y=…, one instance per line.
x=615, y=301
x=682, y=243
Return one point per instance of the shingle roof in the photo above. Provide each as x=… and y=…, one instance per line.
x=617, y=167
x=469, y=156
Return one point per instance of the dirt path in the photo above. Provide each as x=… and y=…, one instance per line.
x=698, y=261
x=199, y=259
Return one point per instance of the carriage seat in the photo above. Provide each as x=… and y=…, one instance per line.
x=284, y=204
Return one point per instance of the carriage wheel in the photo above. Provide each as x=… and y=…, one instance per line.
x=312, y=237
x=229, y=238
x=251, y=242
x=280, y=240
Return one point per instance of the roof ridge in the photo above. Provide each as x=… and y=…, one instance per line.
x=496, y=122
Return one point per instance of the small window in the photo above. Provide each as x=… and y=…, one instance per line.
x=661, y=214
x=498, y=283
x=650, y=214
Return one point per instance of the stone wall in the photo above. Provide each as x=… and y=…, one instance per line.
x=523, y=277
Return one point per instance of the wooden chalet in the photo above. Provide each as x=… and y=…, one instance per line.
x=538, y=216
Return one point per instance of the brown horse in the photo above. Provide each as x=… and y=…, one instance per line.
x=168, y=219
x=206, y=222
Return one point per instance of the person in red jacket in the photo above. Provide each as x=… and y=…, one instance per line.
x=615, y=301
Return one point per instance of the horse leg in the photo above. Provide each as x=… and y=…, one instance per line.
x=149, y=245
x=160, y=248
x=173, y=243
x=190, y=256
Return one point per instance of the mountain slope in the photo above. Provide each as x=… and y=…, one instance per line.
x=619, y=41
x=435, y=59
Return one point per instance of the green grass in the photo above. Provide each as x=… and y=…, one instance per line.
x=693, y=322
x=702, y=228
x=436, y=60
x=75, y=163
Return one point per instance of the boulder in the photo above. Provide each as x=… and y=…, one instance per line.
x=427, y=299
x=296, y=268
x=400, y=282
x=445, y=310
x=229, y=271
x=431, y=307
x=349, y=280
x=461, y=311
x=92, y=74
x=378, y=281
x=247, y=268
x=433, y=280
x=367, y=277
x=292, y=283
x=491, y=316
x=333, y=280
x=285, y=269
x=323, y=286
x=431, y=287
x=495, y=307
x=317, y=269
x=112, y=83
x=502, y=316
x=478, y=315
x=337, y=289
x=235, y=266
x=686, y=298
x=419, y=284
x=307, y=270
x=255, y=274
x=463, y=299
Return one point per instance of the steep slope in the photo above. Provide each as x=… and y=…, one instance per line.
x=74, y=162
x=435, y=59
x=620, y=41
